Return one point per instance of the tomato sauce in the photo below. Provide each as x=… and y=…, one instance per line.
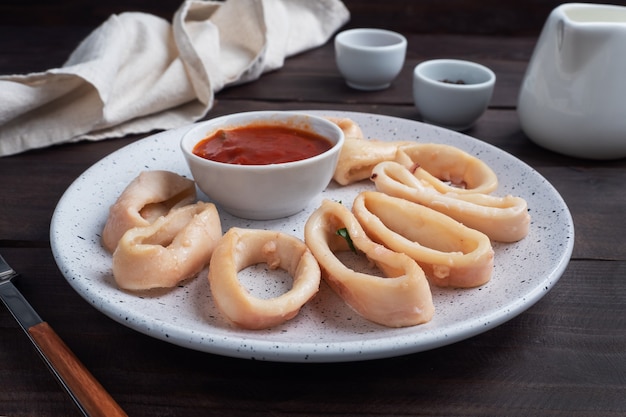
x=261, y=145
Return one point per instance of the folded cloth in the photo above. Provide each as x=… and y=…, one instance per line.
x=137, y=72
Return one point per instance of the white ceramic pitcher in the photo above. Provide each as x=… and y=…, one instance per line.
x=573, y=96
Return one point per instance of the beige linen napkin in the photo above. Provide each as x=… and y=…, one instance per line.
x=137, y=72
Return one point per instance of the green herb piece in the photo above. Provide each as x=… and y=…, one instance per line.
x=344, y=234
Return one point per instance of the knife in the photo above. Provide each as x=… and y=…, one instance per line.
x=86, y=392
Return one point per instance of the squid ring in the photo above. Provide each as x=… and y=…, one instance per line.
x=349, y=127
x=171, y=249
x=240, y=248
x=503, y=219
x=400, y=299
x=149, y=196
x=447, y=168
x=451, y=254
x=359, y=156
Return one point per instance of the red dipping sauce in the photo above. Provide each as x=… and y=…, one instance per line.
x=261, y=145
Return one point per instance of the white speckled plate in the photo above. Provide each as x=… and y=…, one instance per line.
x=326, y=330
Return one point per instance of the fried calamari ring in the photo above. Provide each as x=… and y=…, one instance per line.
x=503, y=219
x=451, y=254
x=150, y=195
x=173, y=248
x=447, y=168
x=402, y=298
x=240, y=248
x=359, y=156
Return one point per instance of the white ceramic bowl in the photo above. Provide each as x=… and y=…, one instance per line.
x=369, y=59
x=443, y=101
x=263, y=192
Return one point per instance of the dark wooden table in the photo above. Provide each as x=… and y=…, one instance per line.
x=565, y=356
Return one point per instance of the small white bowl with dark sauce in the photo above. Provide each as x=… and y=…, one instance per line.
x=452, y=93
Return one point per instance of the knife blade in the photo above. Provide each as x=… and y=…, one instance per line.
x=87, y=393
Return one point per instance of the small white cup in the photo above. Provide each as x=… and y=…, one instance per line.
x=369, y=59
x=452, y=93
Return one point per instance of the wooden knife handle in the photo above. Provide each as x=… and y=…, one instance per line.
x=92, y=397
